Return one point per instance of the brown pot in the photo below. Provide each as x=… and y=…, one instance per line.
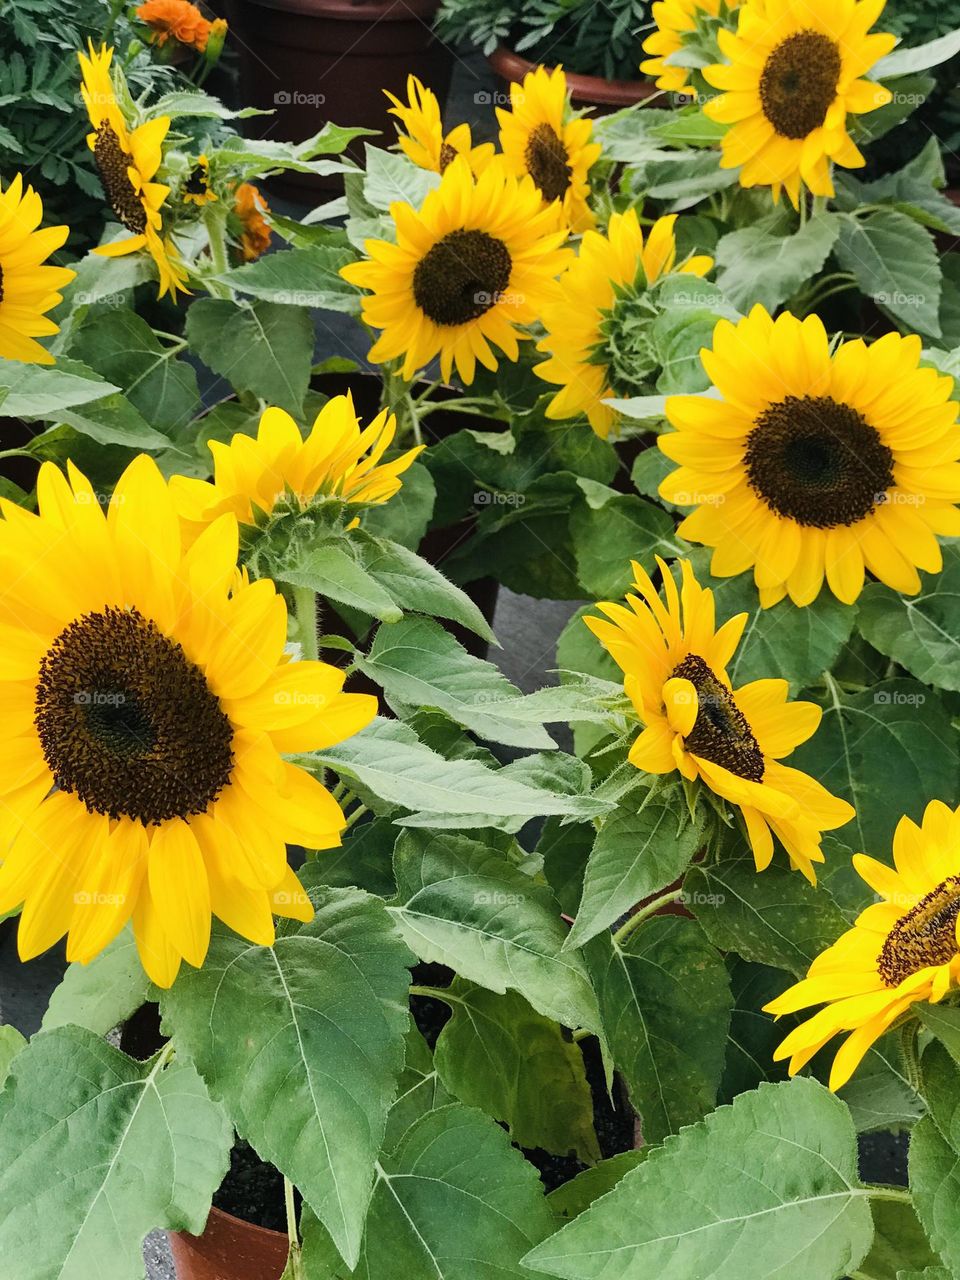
x=310, y=61
x=586, y=91
x=229, y=1249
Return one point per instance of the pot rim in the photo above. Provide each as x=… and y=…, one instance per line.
x=513, y=66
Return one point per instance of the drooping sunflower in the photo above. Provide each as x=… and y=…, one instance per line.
x=176, y=20
x=423, y=140
x=249, y=206
x=337, y=460
x=127, y=161
x=814, y=463
x=197, y=189
x=479, y=258
x=539, y=136
x=676, y=21
x=674, y=661
x=596, y=336
x=28, y=288
x=901, y=950
x=146, y=702
x=794, y=73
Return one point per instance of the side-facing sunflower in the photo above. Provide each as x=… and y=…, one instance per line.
x=901, y=950
x=28, y=288
x=127, y=161
x=337, y=460
x=479, y=258
x=813, y=463
x=423, y=140
x=794, y=73
x=147, y=702
x=677, y=21
x=674, y=661
x=539, y=136
x=597, y=331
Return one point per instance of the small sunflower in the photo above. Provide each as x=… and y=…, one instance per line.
x=176, y=20
x=793, y=75
x=249, y=207
x=423, y=140
x=539, y=136
x=147, y=701
x=28, y=288
x=677, y=21
x=674, y=662
x=337, y=460
x=903, y=949
x=197, y=189
x=127, y=161
x=813, y=463
x=479, y=258
x=597, y=338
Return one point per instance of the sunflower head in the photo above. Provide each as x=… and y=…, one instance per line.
x=681, y=23
x=794, y=72
x=149, y=703
x=249, y=207
x=540, y=137
x=197, y=189
x=175, y=20
x=422, y=138
x=28, y=287
x=674, y=660
x=816, y=463
x=901, y=950
x=599, y=332
x=478, y=259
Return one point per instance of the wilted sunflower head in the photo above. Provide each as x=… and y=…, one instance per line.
x=423, y=140
x=816, y=463
x=679, y=22
x=249, y=206
x=28, y=288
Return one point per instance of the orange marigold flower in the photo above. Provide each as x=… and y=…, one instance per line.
x=249, y=206
x=177, y=20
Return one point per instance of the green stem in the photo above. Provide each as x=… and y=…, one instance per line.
x=356, y=813
x=909, y=1052
x=213, y=220
x=435, y=993
x=16, y=453
x=295, y=1261
x=465, y=404
x=305, y=605
x=644, y=913
x=900, y=1194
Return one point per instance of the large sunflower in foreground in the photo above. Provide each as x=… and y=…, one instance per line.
x=479, y=258
x=674, y=662
x=676, y=21
x=338, y=460
x=540, y=137
x=28, y=288
x=794, y=73
x=146, y=701
x=598, y=331
x=814, y=463
x=127, y=161
x=423, y=140
x=901, y=950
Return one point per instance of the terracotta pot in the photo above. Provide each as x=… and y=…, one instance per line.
x=586, y=91
x=229, y=1249
x=310, y=61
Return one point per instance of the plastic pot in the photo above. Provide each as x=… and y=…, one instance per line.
x=229, y=1249
x=586, y=91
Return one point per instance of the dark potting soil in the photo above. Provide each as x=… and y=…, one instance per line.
x=253, y=1190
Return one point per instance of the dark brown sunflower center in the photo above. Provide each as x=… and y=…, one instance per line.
x=817, y=461
x=926, y=935
x=112, y=165
x=546, y=160
x=461, y=277
x=799, y=83
x=447, y=156
x=720, y=732
x=128, y=723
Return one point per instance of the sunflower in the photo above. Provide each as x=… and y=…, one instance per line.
x=480, y=257
x=540, y=137
x=597, y=337
x=674, y=662
x=901, y=950
x=423, y=140
x=28, y=288
x=249, y=207
x=197, y=189
x=815, y=463
x=337, y=460
x=175, y=20
x=794, y=74
x=127, y=161
x=146, y=701
x=676, y=21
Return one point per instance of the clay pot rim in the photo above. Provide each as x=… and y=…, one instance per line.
x=354, y=10
x=513, y=66
x=232, y=1217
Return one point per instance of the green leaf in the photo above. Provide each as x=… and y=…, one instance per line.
x=665, y=1002
x=888, y=750
x=759, y=264
x=390, y=176
x=879, y=1095
x=419, y=1090
x=102, y=994
x=607, y=537
x=919, y=57
x=463, y=905
x=299, y=278
x=571, y=1198
x=113, y=421
x=118, y=1147
x=405, y=517
x=363, y=861
x=11, y=1043
x=500, y=1055
x=763, y=1190
x=264, y=1025
x=895, y=262
x=944, y=1022
x=899, y=1241
x=261, y=347
x=921, y=632
x=331, y=571
x=33, y=391
x=934, y=1158
x=565, y=850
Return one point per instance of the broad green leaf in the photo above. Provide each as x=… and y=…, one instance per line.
x=685, y=178
x=499, y=1054
x=419, y=1090
x=261, y=347
x=914, y=190
x=363, y=861
x=888, y=750
x=760, y=264
x=571, y=1198
x=918, y=57
x=909, y=92
x=405, y=517
x=944, y=1022
x=102, y=994
x=934, y=1158
x=95, y=1151
x=921, y=632
x=11, y=1043
x=895, y=263
x=899, y=1241
x=665, y=1002
x=332, y=572
x=35, y=392
x=754, y=1035
x=928, y=1273
x=607, y=537
x=464, y=905
x=265, y=1026
x=565, y=849
x=879, y=1095
x=112, y=420
x=299, y=278
x=763, y=1190
x=390, y=176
